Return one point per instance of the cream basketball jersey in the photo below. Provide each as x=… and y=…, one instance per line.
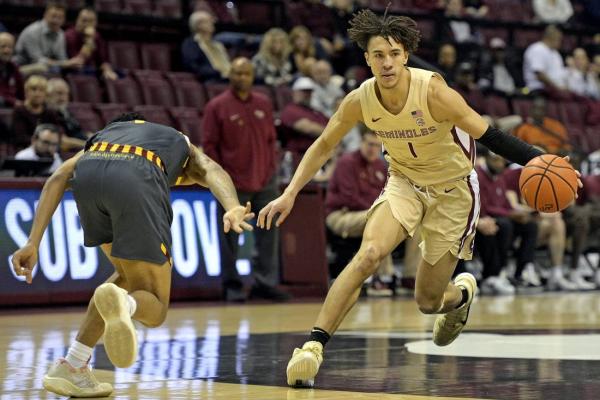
x=425, y=151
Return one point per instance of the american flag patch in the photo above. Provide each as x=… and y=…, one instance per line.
x=417, y=114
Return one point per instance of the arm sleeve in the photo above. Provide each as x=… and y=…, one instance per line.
x=508, y=146
x=195, y=61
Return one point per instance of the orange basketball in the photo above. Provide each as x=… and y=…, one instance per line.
x=548, y=183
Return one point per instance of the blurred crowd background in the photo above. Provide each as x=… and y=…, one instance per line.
x=530, y=67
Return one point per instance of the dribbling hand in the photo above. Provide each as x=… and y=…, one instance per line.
x=282, y=205
x=24, y=261
x=236, y=219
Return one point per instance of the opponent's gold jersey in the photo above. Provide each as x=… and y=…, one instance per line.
x=425, y=151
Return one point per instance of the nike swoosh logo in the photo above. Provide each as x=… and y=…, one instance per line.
x=449, y=190
x=375, y=119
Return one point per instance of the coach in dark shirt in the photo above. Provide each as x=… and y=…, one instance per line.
x=239, y=134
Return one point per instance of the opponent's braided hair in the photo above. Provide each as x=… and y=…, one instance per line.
x=366, y=24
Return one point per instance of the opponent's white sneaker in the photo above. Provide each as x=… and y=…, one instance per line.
x=304, y=365
x=120, y=337
x=448, y=326
x=66, y=380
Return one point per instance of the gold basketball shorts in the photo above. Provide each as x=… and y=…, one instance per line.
x=447, y=213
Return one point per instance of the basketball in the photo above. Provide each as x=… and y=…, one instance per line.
x=548, y=183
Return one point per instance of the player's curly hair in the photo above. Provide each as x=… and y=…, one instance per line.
x=366, y=24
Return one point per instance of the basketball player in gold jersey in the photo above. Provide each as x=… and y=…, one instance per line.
x=428, y=133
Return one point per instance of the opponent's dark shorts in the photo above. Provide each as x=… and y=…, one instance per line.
x=124, y=199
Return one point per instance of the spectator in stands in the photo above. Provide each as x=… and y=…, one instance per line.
x=239, y=134
x=305, y=50
x=552, y=11
x=446, y=62
x=45, y=143
x=41, y=46
x=459, y=31
x=11, y=81
x=476, y=8
x=540, y=130
x=358, y=178
x=318, y=18
x=543, y=66
x=346, y=54
x=58, y=101
x=32, y=112
x=466, y=86
x=326, y=92
x=496, y=73
x=495, y=239
x=201, y=54
x=581, y=78
x=271, y=64
x=551, y=232
x=84, y=41
x=303, y=124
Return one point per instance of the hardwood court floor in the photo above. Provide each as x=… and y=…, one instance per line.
x=543, y=346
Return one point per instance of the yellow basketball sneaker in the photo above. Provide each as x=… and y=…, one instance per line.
x=120, y=337
x=66, y=380
x=304, y=364
x=448, y=326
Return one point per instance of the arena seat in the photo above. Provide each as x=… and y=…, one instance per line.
x=87, y=117
x=108, y=111
x=572, y=114
x=157, y=92
x=522, y=106
x=156, y=56
x=522, y=38
x=496, y=106
x=138, y=7
x=124, y=54
x=6, y=116
x=188, y=121
x=592, y=136
x=215, y=89
x=108, y=6
x=84, y=88
x=283, y=96
x=125, y=91
x=157, y=114
x=167, y=9
x=188, y=91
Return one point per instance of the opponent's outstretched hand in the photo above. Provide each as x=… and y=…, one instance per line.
x=236, y=219
x=282, y=205
x=24, y=261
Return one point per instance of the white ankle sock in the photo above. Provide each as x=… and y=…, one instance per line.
x=132, y=305
x=79, y=354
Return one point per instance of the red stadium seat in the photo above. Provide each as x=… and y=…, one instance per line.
x=137, y=7
x=6, y=116
x=75, y=4
x=84, y=88
x=89, y=119
x=256, y=13
x=157, y=92
x=522, y=106
x=108, y=111
x=491, y=32
x=188, y=91
x=572, y=114
x=124, y=90
x=167, y=8
x=188, y=121
x=578, y=139
x=592, y=135
x=108, y=6
x=124, y=54
x=155, y=114
x=496, y=106
x=156, y=56
x=266, y=90
x=427, y=28
x=215, y=89
x=142, y=74
x=553, y=111
x=522, y=38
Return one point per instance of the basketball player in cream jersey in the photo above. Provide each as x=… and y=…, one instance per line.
x=428, y=134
